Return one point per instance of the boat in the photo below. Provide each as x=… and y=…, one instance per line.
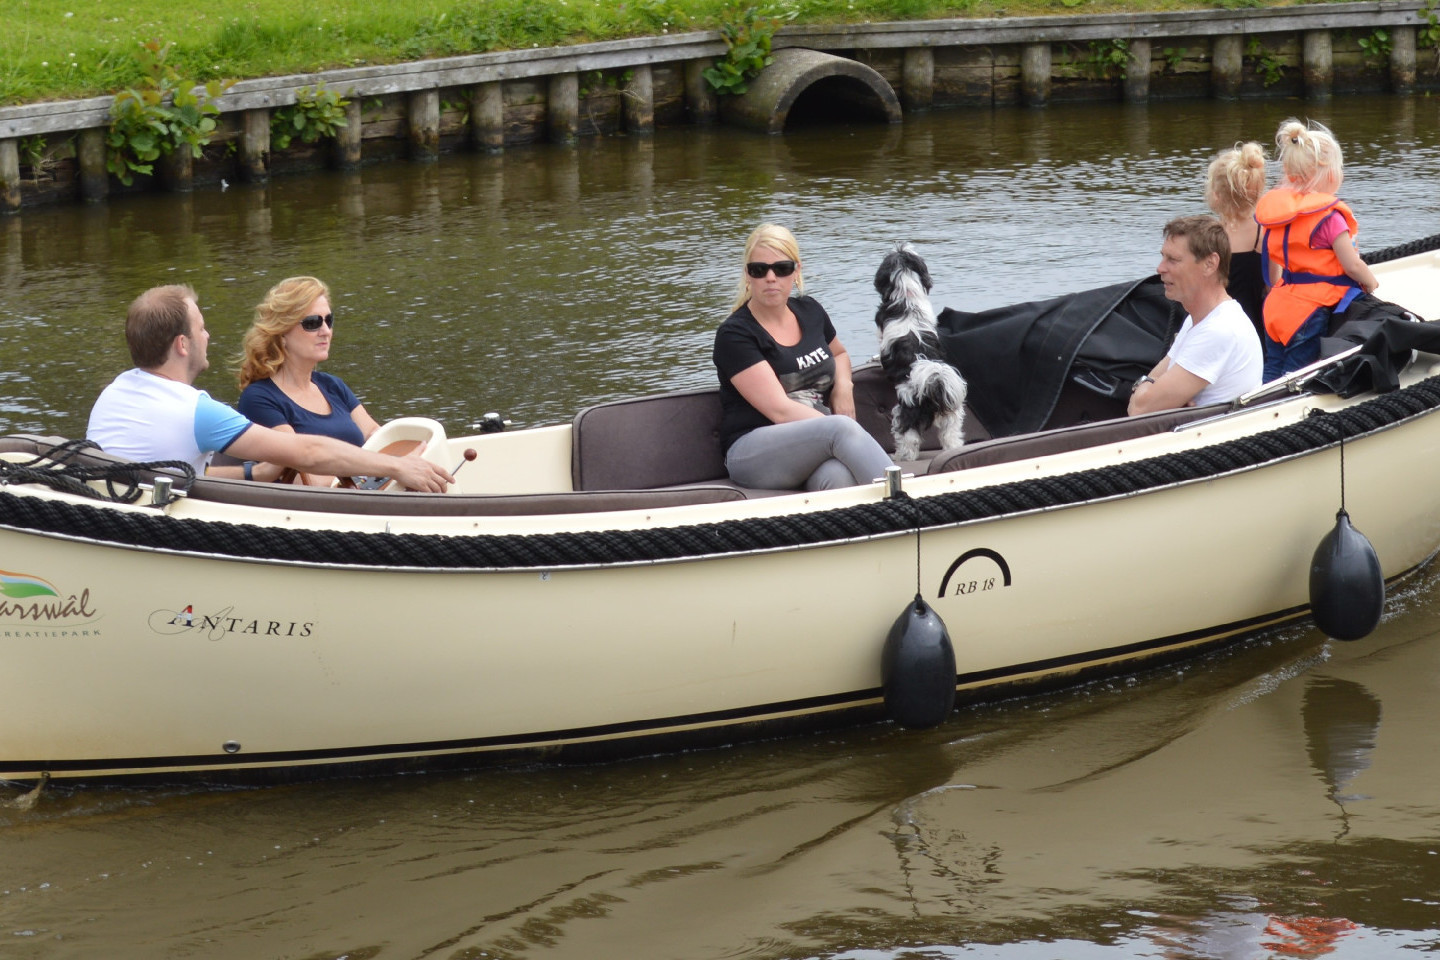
x=597, y=588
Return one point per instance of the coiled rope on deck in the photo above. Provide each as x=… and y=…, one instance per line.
x=434, y=551
x=62, y=468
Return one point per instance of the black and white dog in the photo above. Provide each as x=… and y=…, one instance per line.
x=930, y=390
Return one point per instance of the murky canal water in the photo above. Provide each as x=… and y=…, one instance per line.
x=1278, y=800
x=545, y=279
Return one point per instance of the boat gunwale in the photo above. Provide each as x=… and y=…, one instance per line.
x=901, y=531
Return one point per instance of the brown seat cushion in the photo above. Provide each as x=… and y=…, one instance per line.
x=1027, y=445
x=406, y=504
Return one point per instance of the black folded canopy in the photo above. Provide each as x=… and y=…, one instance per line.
x=1026, y=364
x=1019, y=360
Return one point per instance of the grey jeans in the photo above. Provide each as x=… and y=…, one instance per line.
x=820, y=453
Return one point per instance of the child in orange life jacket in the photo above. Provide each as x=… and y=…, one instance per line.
x=1315, y=270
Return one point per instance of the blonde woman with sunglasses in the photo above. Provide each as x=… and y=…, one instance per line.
x=788, y=410
x=279, y=383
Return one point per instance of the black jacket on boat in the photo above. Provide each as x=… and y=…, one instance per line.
x=1386, y=334
x=1055, y=362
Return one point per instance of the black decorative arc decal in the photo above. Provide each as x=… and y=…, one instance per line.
x=967, y=587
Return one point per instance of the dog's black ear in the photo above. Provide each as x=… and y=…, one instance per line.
x=883, y=275
x=922, y=271
x=887, y=311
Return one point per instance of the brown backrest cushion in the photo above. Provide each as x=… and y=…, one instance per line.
x=674, y=438
x=875, y=399
x=404, y=504
x=94, y=456
x=648, y=442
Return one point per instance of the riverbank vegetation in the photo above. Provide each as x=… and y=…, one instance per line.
x=64, y=49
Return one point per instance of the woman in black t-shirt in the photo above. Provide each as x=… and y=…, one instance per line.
x=785, y=389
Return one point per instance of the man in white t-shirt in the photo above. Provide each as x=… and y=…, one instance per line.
x=1216, y=357
x=154, y=413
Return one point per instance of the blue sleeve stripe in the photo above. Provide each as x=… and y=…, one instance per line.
x=216, y=425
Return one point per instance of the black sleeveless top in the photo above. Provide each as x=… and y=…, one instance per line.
x=1247, y=284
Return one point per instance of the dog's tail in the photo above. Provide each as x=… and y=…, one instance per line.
x=934, y=381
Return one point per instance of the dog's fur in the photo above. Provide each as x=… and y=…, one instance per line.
x=930, y=390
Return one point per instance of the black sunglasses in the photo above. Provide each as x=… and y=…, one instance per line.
x=312, y=323
x=758, y=268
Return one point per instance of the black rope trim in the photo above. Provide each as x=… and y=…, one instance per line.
x=1404, y=250
x=432, y=551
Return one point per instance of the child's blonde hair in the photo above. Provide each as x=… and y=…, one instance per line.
x=1235, y=181
x=1310, y=156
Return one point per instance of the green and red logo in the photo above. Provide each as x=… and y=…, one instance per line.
x=20, y=586
x=35, y=600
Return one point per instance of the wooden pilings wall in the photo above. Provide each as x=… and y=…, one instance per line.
x=9, y=175
x=487, y=101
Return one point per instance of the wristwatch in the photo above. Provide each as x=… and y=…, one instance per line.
x=1145, y=379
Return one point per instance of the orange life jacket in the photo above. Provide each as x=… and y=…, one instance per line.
x=1309, y=278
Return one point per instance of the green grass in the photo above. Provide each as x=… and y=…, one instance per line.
x=65, y=49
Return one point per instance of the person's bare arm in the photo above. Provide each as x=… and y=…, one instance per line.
x=842, y=393
x=761, y=389
x=1355, y=268
x=260, y=471
x=1175, y=387
x=315, y=454
x=364, y=421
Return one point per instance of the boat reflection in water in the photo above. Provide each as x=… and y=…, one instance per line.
x=1342, y=721
x=1180, y=817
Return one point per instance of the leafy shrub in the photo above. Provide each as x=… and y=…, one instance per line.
x=316, y=113
x=159, y=116
x=747, y=36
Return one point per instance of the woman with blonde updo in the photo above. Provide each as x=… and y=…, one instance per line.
x=1315, y=269
x=280, y=387
x=1233, y=186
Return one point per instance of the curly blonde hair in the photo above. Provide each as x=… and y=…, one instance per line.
x=1235, y=181
x=776, y=238
x=263, y=349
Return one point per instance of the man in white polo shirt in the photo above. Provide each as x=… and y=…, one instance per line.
x=153, y=412
x=1216, y=357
